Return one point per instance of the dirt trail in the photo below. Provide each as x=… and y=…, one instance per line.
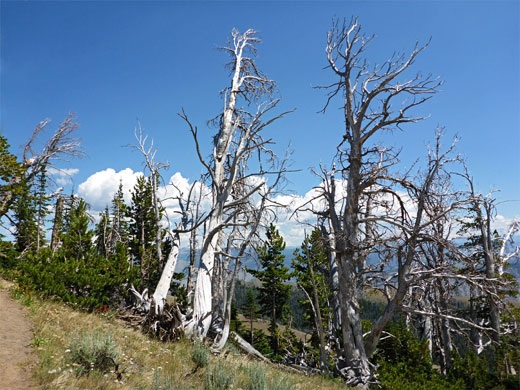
x=15, y=352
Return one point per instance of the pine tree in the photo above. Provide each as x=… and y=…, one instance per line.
x=120, y=227
x=42, y=203
x=10, y=173
x=25, y=218
x=142, y=231
x=77, y=238
x=310, y=264
x=250, y=310
x=274, y=291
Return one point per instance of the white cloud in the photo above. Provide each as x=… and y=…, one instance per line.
x=99, y=189
x=62, y=176
x=502, y=223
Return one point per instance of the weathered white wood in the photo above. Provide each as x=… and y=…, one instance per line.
x=161, y=291
x=237, y=138
x=248, y=348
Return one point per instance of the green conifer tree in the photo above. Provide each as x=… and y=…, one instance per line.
x=310, y=264
x=25, y=218
x=10, y=173
x=120, y=226
x=274, y=291
x=251, y=311
x=42, y=203
x=77, y=238
x=142, y=232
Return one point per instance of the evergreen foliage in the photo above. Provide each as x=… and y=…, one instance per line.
x=311, y=270
x=77, y=237
x=42, y=204
x=25, y=218
x=274, y=292
x=77, y=273
x=91, y=281
x=10, y=173
x=404, y=363
x=142, y=232
x=251, y=311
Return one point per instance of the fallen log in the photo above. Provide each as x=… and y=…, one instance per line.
x=248, y=348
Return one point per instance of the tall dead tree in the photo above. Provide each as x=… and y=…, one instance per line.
x=492, y=249
x=369, y=94
x=238, y=137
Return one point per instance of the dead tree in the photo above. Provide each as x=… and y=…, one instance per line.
x=56, y=227
x=60, y=146
x=492, y=249
x=255, y=212
x=368, y=93
x=154, y=167
x=238, y=137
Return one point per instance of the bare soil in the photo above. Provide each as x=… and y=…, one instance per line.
x=16, y=355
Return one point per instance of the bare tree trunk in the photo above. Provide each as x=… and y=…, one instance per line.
x=191, y=268
x=161, y=291
x=144, y=265
x=237, y=140
x=158, y=227
x=355, y=366
x=202, y=297
x=333, y=277
x=58, y=216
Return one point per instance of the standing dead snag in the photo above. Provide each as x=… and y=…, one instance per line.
x=239, y=197
x=237, y=140
x=59, y=146
x=491, y=249
x=369, y=94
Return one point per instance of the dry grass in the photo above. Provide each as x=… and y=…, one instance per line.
x=142, y=359
x=263, y=325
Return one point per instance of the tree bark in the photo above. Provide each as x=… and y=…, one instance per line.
x=58, y=216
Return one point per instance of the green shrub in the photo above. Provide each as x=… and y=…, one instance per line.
x=405, y=364
x=91, y=281
x=476, y=371
x=219, y=377
x=281, y=383
x=405, y=376
x=256, y=379
x=8, y=256
x=200, y=354
x=260, y=342
x=93, y=351
x=162, y=382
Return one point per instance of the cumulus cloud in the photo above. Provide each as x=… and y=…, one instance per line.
x=62, y=176
x=99, y=189
x=179, y=187
x=293, y=226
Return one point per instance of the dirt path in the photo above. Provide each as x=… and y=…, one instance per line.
x=15, y=352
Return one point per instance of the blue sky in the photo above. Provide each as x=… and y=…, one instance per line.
x=114, y=62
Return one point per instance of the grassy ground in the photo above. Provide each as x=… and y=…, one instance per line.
x=264, y=326
x=145, y=363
